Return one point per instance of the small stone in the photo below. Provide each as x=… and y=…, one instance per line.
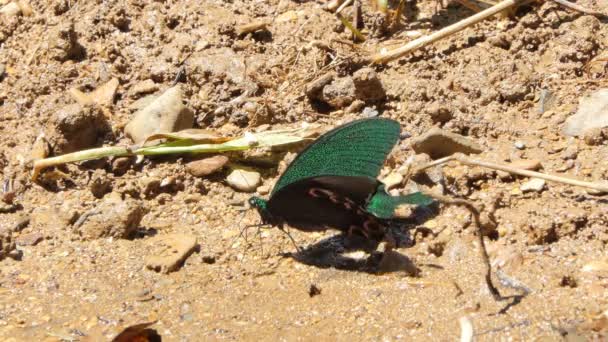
x=509, y=259
x=370, y=112
x=170, y=251
x=100, y=184
x=594, y=136
x=392, y=180
x=31, y=239
x=534, y=184
x=439, y=113
x=315, y=88
x=7, y=243
x=74, y=128
x=113, y=217
x=519, y=145
x=355, y=107
x=150, y=186
x=263, y=189
x=207, y=166
x=438, y=143
x=2, y=71
x=340, y=93
x=121, y=164
x=11, y=9
x=368, y=86
x=166, y=114
x=529, y=164
x=571, y=152
x=243, y=180
x=591, y=114
x=599, y=267
x=144, y=87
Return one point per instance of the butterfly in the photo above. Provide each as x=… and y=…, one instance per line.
x=333, y=183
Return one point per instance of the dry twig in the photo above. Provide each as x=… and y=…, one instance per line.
x=474, y=162
x=445, y=32
x=579, y=8
x=482, y=244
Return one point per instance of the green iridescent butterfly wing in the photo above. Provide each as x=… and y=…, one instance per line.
x=332, y=183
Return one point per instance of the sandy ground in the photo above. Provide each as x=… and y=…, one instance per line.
x=508, y=84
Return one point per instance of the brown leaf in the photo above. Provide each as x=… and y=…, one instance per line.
x=138, y=333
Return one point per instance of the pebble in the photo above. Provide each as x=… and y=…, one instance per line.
x=120, y=165
x=534, y=184
x=509, y=259
x=591, y=114
x=315, y=88
x=7, y=243
x=170, y=251
x=339, y=93
x=370, y=112
x=519, y=145
x=165, y=114
x=438, y=143
x=368, y=86
x=31, y=239
x=392, y=180
x=207, y=166
x=439, y=113
x=571, y=152
x=243, y=180
x=596, y=266
x=2, y=71
x=76, y=128
x=11, y=9
x=527, y=164
x=263, y=189
x=144, y=87
x=593, y=137
x=113, y=217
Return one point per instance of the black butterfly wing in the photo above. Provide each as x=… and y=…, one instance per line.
x=319, y=203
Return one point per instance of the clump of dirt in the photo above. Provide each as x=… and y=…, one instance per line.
x=79, y=248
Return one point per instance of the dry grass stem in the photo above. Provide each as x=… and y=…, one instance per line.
x=474, y=162
x=416, y=44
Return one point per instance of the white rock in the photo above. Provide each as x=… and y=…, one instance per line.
x=11, y=9
x=591, y=113
x=165, y=114
x=534, y=184
x=243, y=180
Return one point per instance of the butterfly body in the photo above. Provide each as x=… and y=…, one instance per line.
x=332, y=183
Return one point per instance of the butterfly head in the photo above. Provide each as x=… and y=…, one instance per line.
x=261, y=206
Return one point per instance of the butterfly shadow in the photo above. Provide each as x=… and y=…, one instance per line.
x=339, y=252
